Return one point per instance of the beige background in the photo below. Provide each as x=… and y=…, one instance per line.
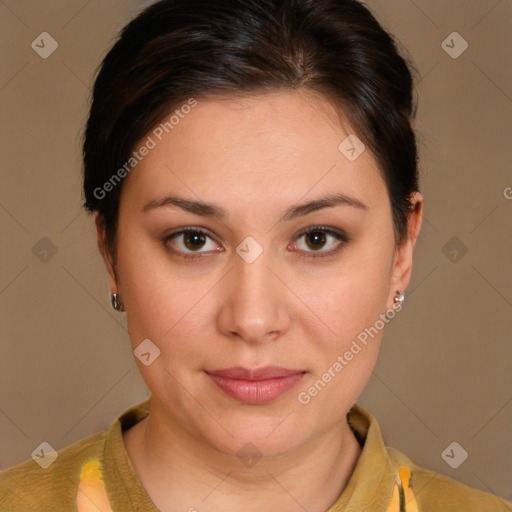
x=444, y=373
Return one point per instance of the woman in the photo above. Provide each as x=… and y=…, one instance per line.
x=253, y=173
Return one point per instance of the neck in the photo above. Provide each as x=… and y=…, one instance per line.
x=182, y=472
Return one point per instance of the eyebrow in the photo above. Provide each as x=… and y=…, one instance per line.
x=212, y=210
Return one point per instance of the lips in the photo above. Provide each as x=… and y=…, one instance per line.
x=266, y=372
x=256, y=386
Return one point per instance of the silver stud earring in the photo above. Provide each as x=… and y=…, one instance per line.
x=400, y=297
x=116, y=303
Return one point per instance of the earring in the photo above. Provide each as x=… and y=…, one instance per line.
x=400, y=298
x=116, y=303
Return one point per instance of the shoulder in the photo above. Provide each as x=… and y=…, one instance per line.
x=435, y=492
x=31, y=486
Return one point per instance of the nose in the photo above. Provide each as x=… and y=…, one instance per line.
x=255, y=302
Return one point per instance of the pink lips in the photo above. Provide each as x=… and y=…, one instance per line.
x=258, y=386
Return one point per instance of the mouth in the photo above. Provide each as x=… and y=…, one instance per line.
x=256, y=386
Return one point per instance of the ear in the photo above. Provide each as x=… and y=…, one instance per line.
x=402, y=265
x=107, y=257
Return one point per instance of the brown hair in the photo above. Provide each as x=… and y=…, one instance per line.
x=178, y=49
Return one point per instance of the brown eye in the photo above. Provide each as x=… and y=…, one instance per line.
x=315, y=239
x=318, y=237
x=193, y=240
x=188, y=242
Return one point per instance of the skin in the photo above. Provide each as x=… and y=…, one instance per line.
x=254, y=157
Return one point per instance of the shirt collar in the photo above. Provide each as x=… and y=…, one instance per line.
x=370, y=486
x=121, y=479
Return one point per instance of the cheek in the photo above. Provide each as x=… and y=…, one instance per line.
x=163, y=306
x=351, y=296
x=352, y=307
x=350, y=303
x=155, y=295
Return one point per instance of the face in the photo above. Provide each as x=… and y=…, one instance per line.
x=247, y=287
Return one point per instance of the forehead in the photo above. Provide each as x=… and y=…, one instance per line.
x=277, y=146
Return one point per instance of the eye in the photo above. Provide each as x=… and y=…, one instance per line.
x=190, y=240
x=316, y=238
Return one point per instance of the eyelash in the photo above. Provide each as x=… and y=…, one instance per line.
x=339, y=235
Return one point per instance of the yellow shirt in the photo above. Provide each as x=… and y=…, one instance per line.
x=95, y=474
